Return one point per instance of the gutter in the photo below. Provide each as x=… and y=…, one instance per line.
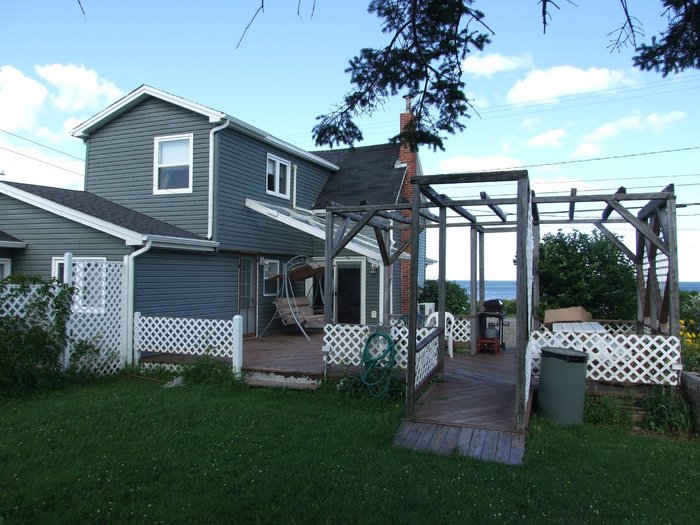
x=210, y=214
x=129, y=303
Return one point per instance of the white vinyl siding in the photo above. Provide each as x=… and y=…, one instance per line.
x=278, y=176
x=172, y=164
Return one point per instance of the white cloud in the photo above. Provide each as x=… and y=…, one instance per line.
x=530, y=123
x=653, y=122
x=548, y=139
x=33, y=166
x=465, y=164
x=487, y=65
x=587, y=149
x=21, y=100
x=78, y=88
x=547, y=85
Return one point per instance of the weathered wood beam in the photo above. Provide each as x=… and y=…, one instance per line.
x=445, y=201
x=616, y=241
x=609, y=209
x=342, y=228
x=572, y=205
x=413, y=309
x=361, y=223
x=639, y=225
x=535, y=210
x=494, y=207
x=673, y=278
x=523, y=313
x=433, y=196
x=400, y=249
x=328, y=271
x=469, y=177
x=655, y=204
x=383, y=250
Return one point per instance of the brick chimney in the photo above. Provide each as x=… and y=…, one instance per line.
x=410, y=159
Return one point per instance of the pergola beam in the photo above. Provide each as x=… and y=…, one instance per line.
x=495, y=208
x=609, y=209
x=572, y=205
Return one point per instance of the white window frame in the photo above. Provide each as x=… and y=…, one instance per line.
x=279, y=160
x=157, y=141
x=269, y=272
x=57, y=263
x=7, y=265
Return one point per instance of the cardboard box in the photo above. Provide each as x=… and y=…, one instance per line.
x=564, y=315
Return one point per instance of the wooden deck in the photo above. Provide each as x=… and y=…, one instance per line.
x=471, y=412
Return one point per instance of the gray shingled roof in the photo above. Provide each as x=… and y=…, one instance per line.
x=367, y=173
x=6, y=237
x=106, y=210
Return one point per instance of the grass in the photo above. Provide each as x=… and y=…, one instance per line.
x=126, y=450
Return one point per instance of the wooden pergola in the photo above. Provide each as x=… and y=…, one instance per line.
x=655, y=257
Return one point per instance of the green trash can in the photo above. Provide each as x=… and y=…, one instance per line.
x=562, y=387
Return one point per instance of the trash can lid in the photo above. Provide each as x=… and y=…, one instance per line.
x=566, y=354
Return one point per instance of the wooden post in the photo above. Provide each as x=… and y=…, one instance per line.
x=386, y=291
x=413, y=306
x=674, y=326
x=536, y=274
x=442, y=263
x=472, y=289
x=521, y=324
x=328, y=272
x=641, y=285
x=482, y=266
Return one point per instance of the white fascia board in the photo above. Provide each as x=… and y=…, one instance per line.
x=320, y=233
x=181, y=243
x=130, y=237
x=123, y=104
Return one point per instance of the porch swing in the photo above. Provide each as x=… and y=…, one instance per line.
x=299, y=310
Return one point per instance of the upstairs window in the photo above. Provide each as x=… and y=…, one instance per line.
x=278, y=175
x=172, y=171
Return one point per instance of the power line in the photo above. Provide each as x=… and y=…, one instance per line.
x=42, y=161
x=42, y=145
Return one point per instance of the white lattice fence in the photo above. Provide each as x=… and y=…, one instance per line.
x=619, y=327
x=427, y=358
x=635, y=359
x=461, y=331
x=344, y=344
x=15, y=304
x=188, y=336
x=97, y=314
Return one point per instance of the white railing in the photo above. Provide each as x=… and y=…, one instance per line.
x=190, y=336
x=461, y=331
x=626, y=359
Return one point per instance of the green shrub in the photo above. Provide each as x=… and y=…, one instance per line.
x=31, y=347
x=667, y=412
x=606, y=410
x=206, y=370
x=456, y=297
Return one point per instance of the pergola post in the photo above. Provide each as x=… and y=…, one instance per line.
x=475, y=329
x=386, y=290
x=482, y=265
x=328, y=271
x=522, y=333
x=413, y=306
x=674, y=314
x=442, y=295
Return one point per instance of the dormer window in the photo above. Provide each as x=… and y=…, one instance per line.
x=172, y=170
x=278, y=175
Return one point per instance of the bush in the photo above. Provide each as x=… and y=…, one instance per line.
x=606, y=410
x=206, y=370
x=31, y=347
x=456, y=297
x=668, y=412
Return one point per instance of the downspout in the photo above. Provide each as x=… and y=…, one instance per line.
x=129, y=302
x=210, y=215
x=294, y=186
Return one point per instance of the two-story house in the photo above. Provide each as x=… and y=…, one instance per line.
x=203, y=208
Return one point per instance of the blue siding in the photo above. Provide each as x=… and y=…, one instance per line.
x=120, y=163
x=48, y=235
x=241, y=175
x=187, y=284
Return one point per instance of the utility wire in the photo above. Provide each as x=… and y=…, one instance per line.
x=42, y=145
x=42, y=161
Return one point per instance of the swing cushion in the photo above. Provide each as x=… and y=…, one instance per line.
x=298, y=307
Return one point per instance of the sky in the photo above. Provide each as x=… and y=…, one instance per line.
x=560, y=104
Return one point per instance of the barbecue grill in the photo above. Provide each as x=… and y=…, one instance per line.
x=491, y=323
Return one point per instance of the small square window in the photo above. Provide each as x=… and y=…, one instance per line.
x=271, y=269
x=172, y=172
x=278, y=178
x=5, y=268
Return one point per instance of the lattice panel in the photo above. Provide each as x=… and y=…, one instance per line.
x=184, y=335
x=15, y=304
x=649, y=360
x=427, y=358
x=165, y=367
x=462, y=329
x=399, y=334
x=97, y=313
x=345, y=343
x=619, y=327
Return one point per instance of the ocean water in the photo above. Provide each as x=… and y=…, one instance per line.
x=506, y=289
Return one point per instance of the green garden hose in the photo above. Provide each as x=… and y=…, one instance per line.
x=378, y=366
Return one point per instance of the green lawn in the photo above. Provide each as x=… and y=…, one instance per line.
x=129, y=451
